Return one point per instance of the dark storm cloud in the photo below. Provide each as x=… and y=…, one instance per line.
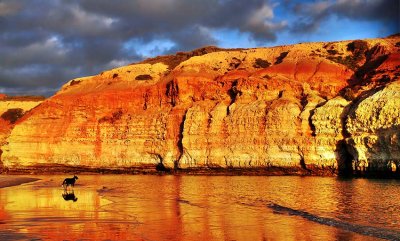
x=385, y=10
x=199, y=36
x=168, y=18
x=311, y=15
x=45, y=43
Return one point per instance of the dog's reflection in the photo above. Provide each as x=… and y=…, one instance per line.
x=69, y=195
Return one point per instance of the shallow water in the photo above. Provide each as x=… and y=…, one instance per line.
x=124, y=207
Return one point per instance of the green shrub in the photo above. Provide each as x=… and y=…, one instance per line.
x=358, y=48
x=332, y=51
x=348, y=61
x=261, y=63
x=144, y=77
x=74, y=82
x=280, y=58
x=12, y=115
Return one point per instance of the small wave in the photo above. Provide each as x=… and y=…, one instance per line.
x=105, y=189
x=183, y=201
x=356, y=228
x=36, y=220
x=189, y=203
x=246, y=204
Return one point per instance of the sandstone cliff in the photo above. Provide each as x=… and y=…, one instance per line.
x=312, y=106
x=12, y=109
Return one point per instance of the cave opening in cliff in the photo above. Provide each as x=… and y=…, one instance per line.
x=160, y=167
x=344, y=159
x=303, y=164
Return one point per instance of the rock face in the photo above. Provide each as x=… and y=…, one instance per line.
x=12, y=109
x=314, y=106
x=374, y=127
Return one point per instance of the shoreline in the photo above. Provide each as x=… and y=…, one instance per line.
x=199, y=171
x=10, y=181
x=153, y=170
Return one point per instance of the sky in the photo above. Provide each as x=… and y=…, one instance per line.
x=45, y=43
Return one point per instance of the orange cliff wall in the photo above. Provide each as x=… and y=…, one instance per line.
x=289, y=106
x=11, y=109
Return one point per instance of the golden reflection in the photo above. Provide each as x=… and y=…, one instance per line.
x=175, y=208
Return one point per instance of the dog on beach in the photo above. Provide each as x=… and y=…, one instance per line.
x=69, y=182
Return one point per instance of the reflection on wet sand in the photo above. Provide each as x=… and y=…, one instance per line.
x=69, y=196
x=182, y=208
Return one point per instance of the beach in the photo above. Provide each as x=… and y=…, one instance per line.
x=188, y=207
x=8, y=181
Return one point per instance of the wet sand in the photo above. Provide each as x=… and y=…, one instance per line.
x=183, y=207
x=8, y=181
x=150, y=169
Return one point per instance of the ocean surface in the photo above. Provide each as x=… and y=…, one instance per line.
x=126, y=207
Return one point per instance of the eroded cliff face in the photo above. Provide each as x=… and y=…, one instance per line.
x=11, y=110
x=314, y=106
x=374, y=127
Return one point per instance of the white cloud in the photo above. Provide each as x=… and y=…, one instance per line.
x=118, y=63
x=52, y=48
x=91, y=18
x=320, y=7
x=261, y=15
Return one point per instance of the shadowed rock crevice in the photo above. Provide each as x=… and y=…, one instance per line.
x=234, y=64
x=180, y=139
x=303, y=163
x=344, y=159
x=367, y=71
x=343, y=155
x=310, y=118
x=160, y=167
x=1, y=163
x=172, y=92
x=233, y=93
x=311, y=124
x=146, y=99
x=303, y=101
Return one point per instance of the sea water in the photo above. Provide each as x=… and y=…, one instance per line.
x=141, y=207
